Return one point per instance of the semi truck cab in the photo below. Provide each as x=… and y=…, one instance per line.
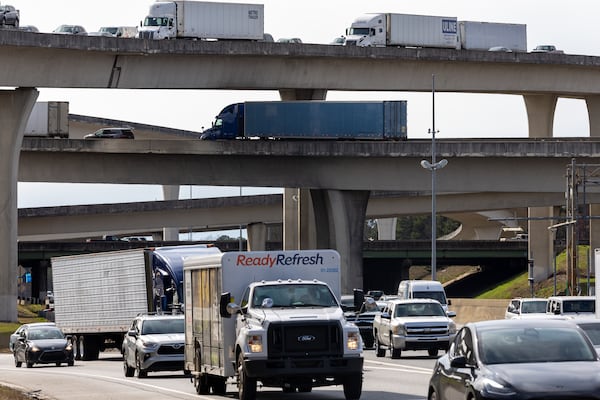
x=229, y=124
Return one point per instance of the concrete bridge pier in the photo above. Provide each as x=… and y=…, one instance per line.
x=170, y=192
x=540, y=115
x=593, y=106
x=386, y=228
x=341, y=217
x=15, y=107
x=326, y=219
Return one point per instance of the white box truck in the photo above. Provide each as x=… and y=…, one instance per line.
x=476, y=35
x=49, y=119
x=403, y=30
x=271, y=316
x=97, y=295
x=203, y=20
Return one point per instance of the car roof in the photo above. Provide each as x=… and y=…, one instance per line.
x=412, y=301
x=517, y=323
x=160, y=316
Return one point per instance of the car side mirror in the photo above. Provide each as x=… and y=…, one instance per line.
x=385, y=315
x=458, y=362
x=223, y=303
x=449, y=302
x=131, y=333
x=451, y=314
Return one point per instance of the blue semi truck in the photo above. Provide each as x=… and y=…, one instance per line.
x=375, y=120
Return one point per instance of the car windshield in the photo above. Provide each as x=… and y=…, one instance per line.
x=44, y=333
x=530, y=307
x=419, y=310
x=439, y=296
x=533, y=345
x=358, y=31
x=297, y=295
x=593, y=332
x=156, y=21
x=575, y=306
x=161, y=326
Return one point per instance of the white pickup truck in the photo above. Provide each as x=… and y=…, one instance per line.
x=414, y=324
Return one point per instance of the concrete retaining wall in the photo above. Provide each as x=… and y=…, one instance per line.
x=472, y=310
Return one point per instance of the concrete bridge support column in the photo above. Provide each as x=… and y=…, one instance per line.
x=540, y=115
x=171, y=192
x=341, y=218
x=386, y=228
x=257, y=236
x=593, y=106
x=298, y=224
x=15, y=107
x=541, y=243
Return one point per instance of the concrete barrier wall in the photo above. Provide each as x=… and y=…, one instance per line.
x=472, y=310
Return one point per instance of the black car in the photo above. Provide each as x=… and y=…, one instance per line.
x=517, y=359
x=364, y=317
x=42, y=344
x=111, y=133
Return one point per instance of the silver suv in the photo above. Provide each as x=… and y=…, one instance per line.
x=153, y=343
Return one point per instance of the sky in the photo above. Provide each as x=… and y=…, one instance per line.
x=571, y=26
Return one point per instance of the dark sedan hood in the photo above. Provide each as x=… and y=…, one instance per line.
x=550, y=380
x=56, y=344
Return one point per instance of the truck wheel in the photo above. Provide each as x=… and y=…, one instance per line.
x=201, y=383
x=396, y=353
x=219, y=385
x=353, y=387
x=129, y=371
x=379, y=352
x=305, y=388
x=246, y=385
x=432, y=352
x=90, y=347
x=141, y=373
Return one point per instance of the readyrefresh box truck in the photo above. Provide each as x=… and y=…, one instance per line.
x=271, y=317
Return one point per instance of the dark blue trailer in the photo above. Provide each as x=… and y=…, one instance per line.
x=372, y=120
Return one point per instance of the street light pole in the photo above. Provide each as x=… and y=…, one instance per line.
x=433, y=166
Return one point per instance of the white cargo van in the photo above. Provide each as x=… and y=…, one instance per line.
x=422, y=289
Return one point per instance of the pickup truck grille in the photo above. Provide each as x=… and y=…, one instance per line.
x=427, y=330
x=303, y=339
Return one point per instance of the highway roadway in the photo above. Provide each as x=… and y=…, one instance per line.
x=384, y=379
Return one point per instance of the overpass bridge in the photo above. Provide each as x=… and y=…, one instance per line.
x=386, y=263
x=297, y=72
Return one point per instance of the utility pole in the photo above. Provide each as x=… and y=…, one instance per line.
x=433, y=166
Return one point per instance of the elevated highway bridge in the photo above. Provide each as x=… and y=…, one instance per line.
x=385, y=263
x=337, y=199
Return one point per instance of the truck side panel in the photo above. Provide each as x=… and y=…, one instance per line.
x=208, y=336
x=323, y=119
x=101, y=292
x=209, y=20
x=49, y=119
x=422, y=31
x=476, y=35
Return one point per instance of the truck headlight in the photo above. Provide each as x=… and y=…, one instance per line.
x=255, y=343
x=399, y=330
x=353, y=342
x=452, y=327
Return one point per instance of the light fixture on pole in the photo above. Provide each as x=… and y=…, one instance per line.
x=433, y=166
